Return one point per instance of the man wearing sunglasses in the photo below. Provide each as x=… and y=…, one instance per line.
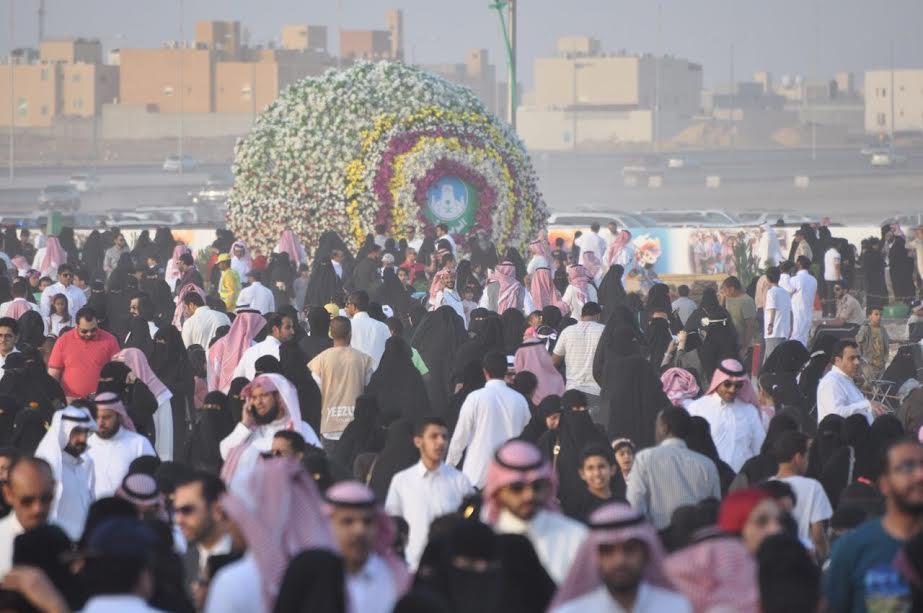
x=30, y=492
x=518, y=499
x=80, y=354
x=729, y=406
x=76, y=299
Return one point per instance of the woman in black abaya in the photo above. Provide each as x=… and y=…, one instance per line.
x=611, y=291
x=575, y=432
x=397, y=385
x=31, y=329
x=398, y=453
x=490, y=337
x=472, y=379
x=514, y=327
x=438, y=338
x=631, y=394
x=212, y=424
x=235, y=400
x=901, y=266
x=720, y=340
x=700, y=440
x=170, y=362
x=392, y=293
x=137, y=397
x=318, y=339
x=362, y=435
x=292, y=361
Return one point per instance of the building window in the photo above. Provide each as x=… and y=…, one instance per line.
x=22, y=107
x=884, y=92
x=44, y=74
x=881, y=119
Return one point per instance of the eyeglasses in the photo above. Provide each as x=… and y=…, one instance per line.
x=735, y=384
x=44, y=498
x=186, y=509
x=538, y=486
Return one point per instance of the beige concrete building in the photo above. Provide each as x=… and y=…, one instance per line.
x=37, y=94
x=245, y=87
x=152, y=77
x=904, y=93
x=370, y=45
x=85, y=88
x=71, y=51
x=395, y=20
x=220, y=37
x=477, y=74
x=302, y=37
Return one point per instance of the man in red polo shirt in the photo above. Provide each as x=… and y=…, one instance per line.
x=80, y=354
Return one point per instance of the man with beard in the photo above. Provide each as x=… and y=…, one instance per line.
x=619, y=568
x=189, y=274
x=30, y=492
x=64, y=447
x=271, y=405
x=518, y=499
x=199, y=516
x=860, y=576
x=114, y=445
x=375, y=577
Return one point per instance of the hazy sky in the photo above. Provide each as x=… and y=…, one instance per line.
x=774, y=35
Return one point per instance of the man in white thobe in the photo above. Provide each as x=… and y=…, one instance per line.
x=729, y=407
x=201, y=321
x=837, y=393
x=804, y=289
x=488, y=418
x=256, y=296
x=428, y=489
x=271, y=405
x=115, y=444
x=368, y=335
x=516, y=501
x=76, y=299
x=592, y=241
x=64, y=447
x=281, y=329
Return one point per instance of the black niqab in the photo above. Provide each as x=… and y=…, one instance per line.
x=439, y=337
x=397, y=385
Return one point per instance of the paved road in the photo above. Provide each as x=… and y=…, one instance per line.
x=842, y=184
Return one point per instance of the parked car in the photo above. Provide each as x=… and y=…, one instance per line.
x=886, y=159
x=692, y=219
x=789, y=218
x=60, y=197
x=174, y=163
x=582, y=220
x=84, y=182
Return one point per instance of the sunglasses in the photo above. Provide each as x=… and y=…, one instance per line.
x=45, y=498
x=539, y=485
x=735, y=384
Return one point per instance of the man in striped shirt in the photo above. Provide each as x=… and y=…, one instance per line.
x=576, y=347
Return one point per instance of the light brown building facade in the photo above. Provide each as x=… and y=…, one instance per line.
x=152, y=77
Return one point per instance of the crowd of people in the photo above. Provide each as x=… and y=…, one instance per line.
x=435, y=424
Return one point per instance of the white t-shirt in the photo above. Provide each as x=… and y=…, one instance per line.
x=831, y=261
x=811, y=505
x=780, y=301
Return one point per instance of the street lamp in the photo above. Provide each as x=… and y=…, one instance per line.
x=509, y=38
x=12, y=101
x=182, y=94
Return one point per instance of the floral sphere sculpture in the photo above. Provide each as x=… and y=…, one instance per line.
x=381, y=143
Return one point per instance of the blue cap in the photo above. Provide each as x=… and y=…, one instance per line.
x=121, y=537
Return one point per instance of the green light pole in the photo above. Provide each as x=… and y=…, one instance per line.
x=508, y=25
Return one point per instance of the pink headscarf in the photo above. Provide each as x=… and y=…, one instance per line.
x=679, y=384
x=22, y=266
x=178, y=316
x=225, y=354
x=112, y=402
x=544, y=293
x=289, y=408
x=534, y=357
x=611, y=524
x=290, y=244
x=172, y=273
x=515, y=461
x=353, y=494
x=539, y=247
x=438, y=284
x=280, y=513
x=54, y=256
x=732, y=370
x=578, y=279
x=591, y=262
x=137, y=362
x=18, y=307
x=505, y=275
x=615, y=248
x=716, y=574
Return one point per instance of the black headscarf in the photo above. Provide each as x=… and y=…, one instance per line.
x=472, y=379
x=699, y=440
x=98, y=302
x=489, y=338
x=789, y=357
x=170, y=362
x=392, y=293
x=94, y=251
x=398, y=453
x=319, y=338
x=514, y=326
x=66, y=239
x=323, y=285
x=513, y=257
x=139, y=336
x=314, y=582
x=293, y=363
x=235, y=401
x=465, y=279
x=720, y=337
x=397, y=385
x=11, y=244
x=361, y=435
x=31, y=329
x=611, y=291
x=139, y=401
x=631, y=394
x=26, y=380
x=164, y=244
x=575, y=432
x=438, y=338
x=763, y=466
x=212, y=423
